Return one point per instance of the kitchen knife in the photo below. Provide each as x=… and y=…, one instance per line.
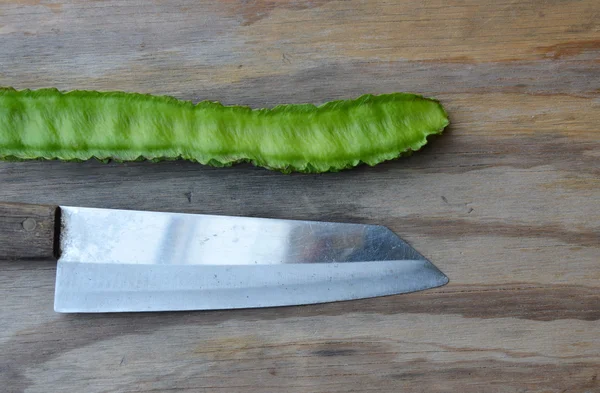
x=112, y=260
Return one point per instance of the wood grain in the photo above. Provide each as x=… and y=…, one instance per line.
x=505, y=202
x=27, y=231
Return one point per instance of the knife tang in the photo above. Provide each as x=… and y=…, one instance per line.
x=29, y=231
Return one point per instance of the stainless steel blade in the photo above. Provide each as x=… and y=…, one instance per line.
x=127, y=260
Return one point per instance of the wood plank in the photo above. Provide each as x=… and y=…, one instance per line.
x=505, y=202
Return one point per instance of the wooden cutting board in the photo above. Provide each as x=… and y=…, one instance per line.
x=506, y=202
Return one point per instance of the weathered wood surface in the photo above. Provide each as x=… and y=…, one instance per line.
x=27, y=231
x=506, y=202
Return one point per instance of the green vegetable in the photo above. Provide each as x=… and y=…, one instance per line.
x=80, y=125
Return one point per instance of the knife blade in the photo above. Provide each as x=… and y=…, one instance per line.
x=115, y=260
